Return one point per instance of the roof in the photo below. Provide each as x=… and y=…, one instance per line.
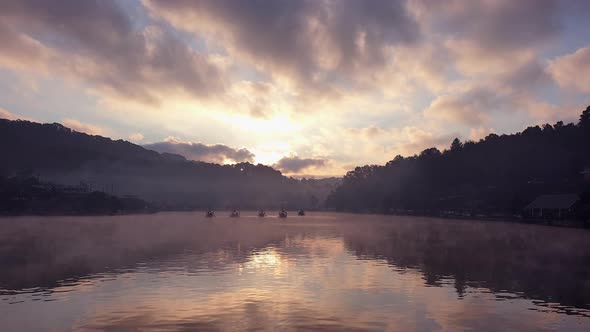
x=554, y=202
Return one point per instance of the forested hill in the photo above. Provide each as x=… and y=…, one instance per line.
x=61, y=155
x=28, y=146
x=497, y=175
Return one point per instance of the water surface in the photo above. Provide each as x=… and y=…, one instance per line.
x=181, y=271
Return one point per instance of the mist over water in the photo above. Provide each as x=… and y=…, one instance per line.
x=329, y=271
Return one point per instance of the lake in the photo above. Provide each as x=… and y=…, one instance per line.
x=324, y=271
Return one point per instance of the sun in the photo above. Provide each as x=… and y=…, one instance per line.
x=270, y=139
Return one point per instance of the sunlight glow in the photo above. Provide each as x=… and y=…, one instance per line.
x=268, y=258
x=278, y=124
x=270, y=153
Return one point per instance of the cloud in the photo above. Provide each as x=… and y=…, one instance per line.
x=412, y=140
x=136, y=137
x=493, y=47
x=22, y=52
x=474, y=60
x=572, y=71
x=82, y=127
x=478, y=133
x=4, y=114
x=514, y=87
x=257, y=99
x=468, y=109
x=307, y=43
x=97, y=42
x=294, y=164
x=405, y=74
x=217, y=153
x=370, y=132
x=544, y=112
x=497, y=25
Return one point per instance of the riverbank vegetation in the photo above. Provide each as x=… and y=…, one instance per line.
x=496, y=176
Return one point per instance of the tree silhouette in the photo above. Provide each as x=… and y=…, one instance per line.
x=62, y=155
x=497, y=175
x=456, y=145
x=585, y=119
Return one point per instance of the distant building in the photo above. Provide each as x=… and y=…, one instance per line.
x=553, y=206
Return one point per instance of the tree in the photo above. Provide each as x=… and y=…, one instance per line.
x=585, y=119
x=468, y=143
x=558, y=125
x=547, y=128
x=430, y=153
x=456, y=145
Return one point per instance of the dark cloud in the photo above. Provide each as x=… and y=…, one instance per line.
x=311, y=41
x=296, y=164
x=499, y=24
x=99, y=42
x=529, y=74
x=217, y=153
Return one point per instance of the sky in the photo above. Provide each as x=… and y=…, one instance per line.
x=310, y=87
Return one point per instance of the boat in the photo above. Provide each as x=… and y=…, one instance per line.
x=283, y=214
x=301, y=212
x=261, y=213
x=209, y=213
x=234, y=214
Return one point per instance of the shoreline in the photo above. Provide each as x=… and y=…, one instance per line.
x=504, y=219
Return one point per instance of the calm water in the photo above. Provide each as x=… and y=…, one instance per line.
x=180, y=271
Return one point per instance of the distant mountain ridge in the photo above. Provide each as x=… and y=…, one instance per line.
x=55, y=147
x=62, y=155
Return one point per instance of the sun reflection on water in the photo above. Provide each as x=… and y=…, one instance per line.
x=269, y=258
x=284, y=276
x=268, y=261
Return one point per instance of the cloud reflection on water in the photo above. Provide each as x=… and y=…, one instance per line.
x=378, y=273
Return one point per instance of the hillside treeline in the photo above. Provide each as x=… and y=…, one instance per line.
x=499, y=174
x=57, y=154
